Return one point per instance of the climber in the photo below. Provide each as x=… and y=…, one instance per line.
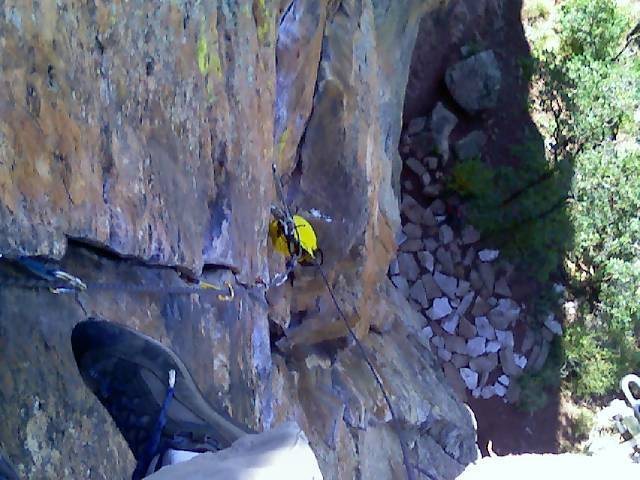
x=170, y=428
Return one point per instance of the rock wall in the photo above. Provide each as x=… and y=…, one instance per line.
x=137, y=139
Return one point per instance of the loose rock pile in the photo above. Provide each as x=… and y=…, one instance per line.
x=460, y=286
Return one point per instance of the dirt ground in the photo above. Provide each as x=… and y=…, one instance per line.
x=509, y=429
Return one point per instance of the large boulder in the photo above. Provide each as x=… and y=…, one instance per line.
x=475, y=82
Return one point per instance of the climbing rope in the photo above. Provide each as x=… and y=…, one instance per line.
x=294, y=237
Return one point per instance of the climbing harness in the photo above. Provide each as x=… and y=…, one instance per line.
x=293, y=234
x=61, y=282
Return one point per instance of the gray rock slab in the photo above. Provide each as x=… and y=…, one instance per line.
x=507, y=360
x=409, y=268
x=426, y=260
x=413, y=245
x=417, y=125
x=470, y=146
x=401, y=284
x=484, y=328
x=487, y=392
x=475, y=82
x=488, y=275
x=499, y=389
x=430, y=244
x=411, y=230
x=463, y=288
x=502, y=288
x=470, y=235
x=480, y=307
x=446, y=261
x=476, y=346
x=439, y=309
x=456, y=344
x=415, y=166
x=465, y=303
x=430, y=286
x=484, y=364
x=460, y=360
x=442, y=124
x=504, y=314
x=418, y=293
x=466, y=329
x=447, y=284
x=438, y=341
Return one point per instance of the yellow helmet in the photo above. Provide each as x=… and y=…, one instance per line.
x=304, y=235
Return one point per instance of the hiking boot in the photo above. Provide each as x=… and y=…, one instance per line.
x=128, y=373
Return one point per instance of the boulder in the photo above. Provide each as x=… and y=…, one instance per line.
x=475, y=82
x=470, y=146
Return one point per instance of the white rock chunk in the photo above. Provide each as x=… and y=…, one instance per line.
x=476, y=346
x=504, y=380
x=469, y=377
x=487, y=392
x=520, y=360
x=439, y=309
x=438, y=341
x=487, y=255
x=552, y=324
x=499, y=390
x=465, y=303
x=493, y=346
x=426, y=333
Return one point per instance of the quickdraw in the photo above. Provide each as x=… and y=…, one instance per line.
x=58, y=281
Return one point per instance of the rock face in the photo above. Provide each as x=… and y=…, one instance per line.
x=146, y=130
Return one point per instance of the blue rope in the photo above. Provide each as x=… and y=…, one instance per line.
x=153, y=444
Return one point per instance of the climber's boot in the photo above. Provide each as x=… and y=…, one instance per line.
x=128, y=373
